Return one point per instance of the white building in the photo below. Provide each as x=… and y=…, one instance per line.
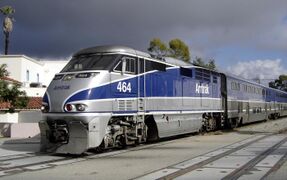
x=34, y=75
x=51, y=68
x=23, y=69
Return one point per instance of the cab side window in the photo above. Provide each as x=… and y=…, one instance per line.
x=130, y=65
x=151, y=66
x=126, y=65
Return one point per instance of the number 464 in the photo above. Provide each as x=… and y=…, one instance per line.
x=124, y=87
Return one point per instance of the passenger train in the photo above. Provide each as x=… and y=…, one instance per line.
x=113, y=96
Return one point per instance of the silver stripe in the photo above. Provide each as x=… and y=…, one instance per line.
x=147, y=98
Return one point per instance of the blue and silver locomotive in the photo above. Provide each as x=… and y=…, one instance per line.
x=110, y=96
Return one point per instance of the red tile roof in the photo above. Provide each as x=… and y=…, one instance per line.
x=33, y=103
x=4, y=105
x=10, y=80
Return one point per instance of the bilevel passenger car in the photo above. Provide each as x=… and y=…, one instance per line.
x=110, y=96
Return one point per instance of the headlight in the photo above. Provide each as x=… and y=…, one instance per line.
x=80, y=107
x=75, y=107
x=69, y=107
x=45, y=108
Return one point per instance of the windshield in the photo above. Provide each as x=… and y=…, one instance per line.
x=90, y=62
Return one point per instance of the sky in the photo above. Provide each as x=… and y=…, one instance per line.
x=247, y=37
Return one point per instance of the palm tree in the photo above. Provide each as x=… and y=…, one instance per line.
x=7, y=11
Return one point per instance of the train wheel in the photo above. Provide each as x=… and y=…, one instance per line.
x=212, y=123
x=275, y=116
x=152, y=131
x=240, y=122
x=233, y=123
x=99, y=149
x=269, y=117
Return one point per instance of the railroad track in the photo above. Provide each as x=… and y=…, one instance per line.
x=253, y=158
x=13, y=164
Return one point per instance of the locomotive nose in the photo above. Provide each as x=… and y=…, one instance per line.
x=64, y=86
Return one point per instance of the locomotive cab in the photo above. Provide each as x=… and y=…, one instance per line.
x=80, y=103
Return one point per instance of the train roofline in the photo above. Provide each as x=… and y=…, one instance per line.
x=111, y=49
x=166, y=60
x=128, y=50
x=251, y=82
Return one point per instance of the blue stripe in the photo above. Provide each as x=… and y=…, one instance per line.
x=46, y=99
x=158, y=84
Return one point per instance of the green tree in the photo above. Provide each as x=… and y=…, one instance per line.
x=11, y=92
x=7, y=11
x=176, y=49
x=283, y=77
x=280, y=83
x=211, y=64
x=200, y=62
x=157, y=47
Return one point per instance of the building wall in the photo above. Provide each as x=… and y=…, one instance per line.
x=5, y=129
x=34, y=68
x=33, y=116
x=24, y=130
x=8, y=117
x=51, y=68
x=13, y=66
x=29, y=116
x=34, y=92
x=25, y=123
x=21, y=124
x=18, y=65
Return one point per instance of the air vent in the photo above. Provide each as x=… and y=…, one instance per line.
x=125, y=105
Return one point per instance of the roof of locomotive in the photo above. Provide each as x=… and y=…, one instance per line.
x=173, y=61
x=111, y=49
x=128, y=50
x=176, y=62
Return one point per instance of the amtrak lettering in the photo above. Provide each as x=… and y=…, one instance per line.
x=63, y=87
x=204, y=89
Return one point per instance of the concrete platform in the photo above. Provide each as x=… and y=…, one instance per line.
x=135, y=163
x=19, y=130
x=14, y=146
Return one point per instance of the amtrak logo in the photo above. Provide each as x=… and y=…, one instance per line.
x=63, y=87
x=203, y=88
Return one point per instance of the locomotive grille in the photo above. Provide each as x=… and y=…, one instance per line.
x=59, y=132
x=125, y=105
